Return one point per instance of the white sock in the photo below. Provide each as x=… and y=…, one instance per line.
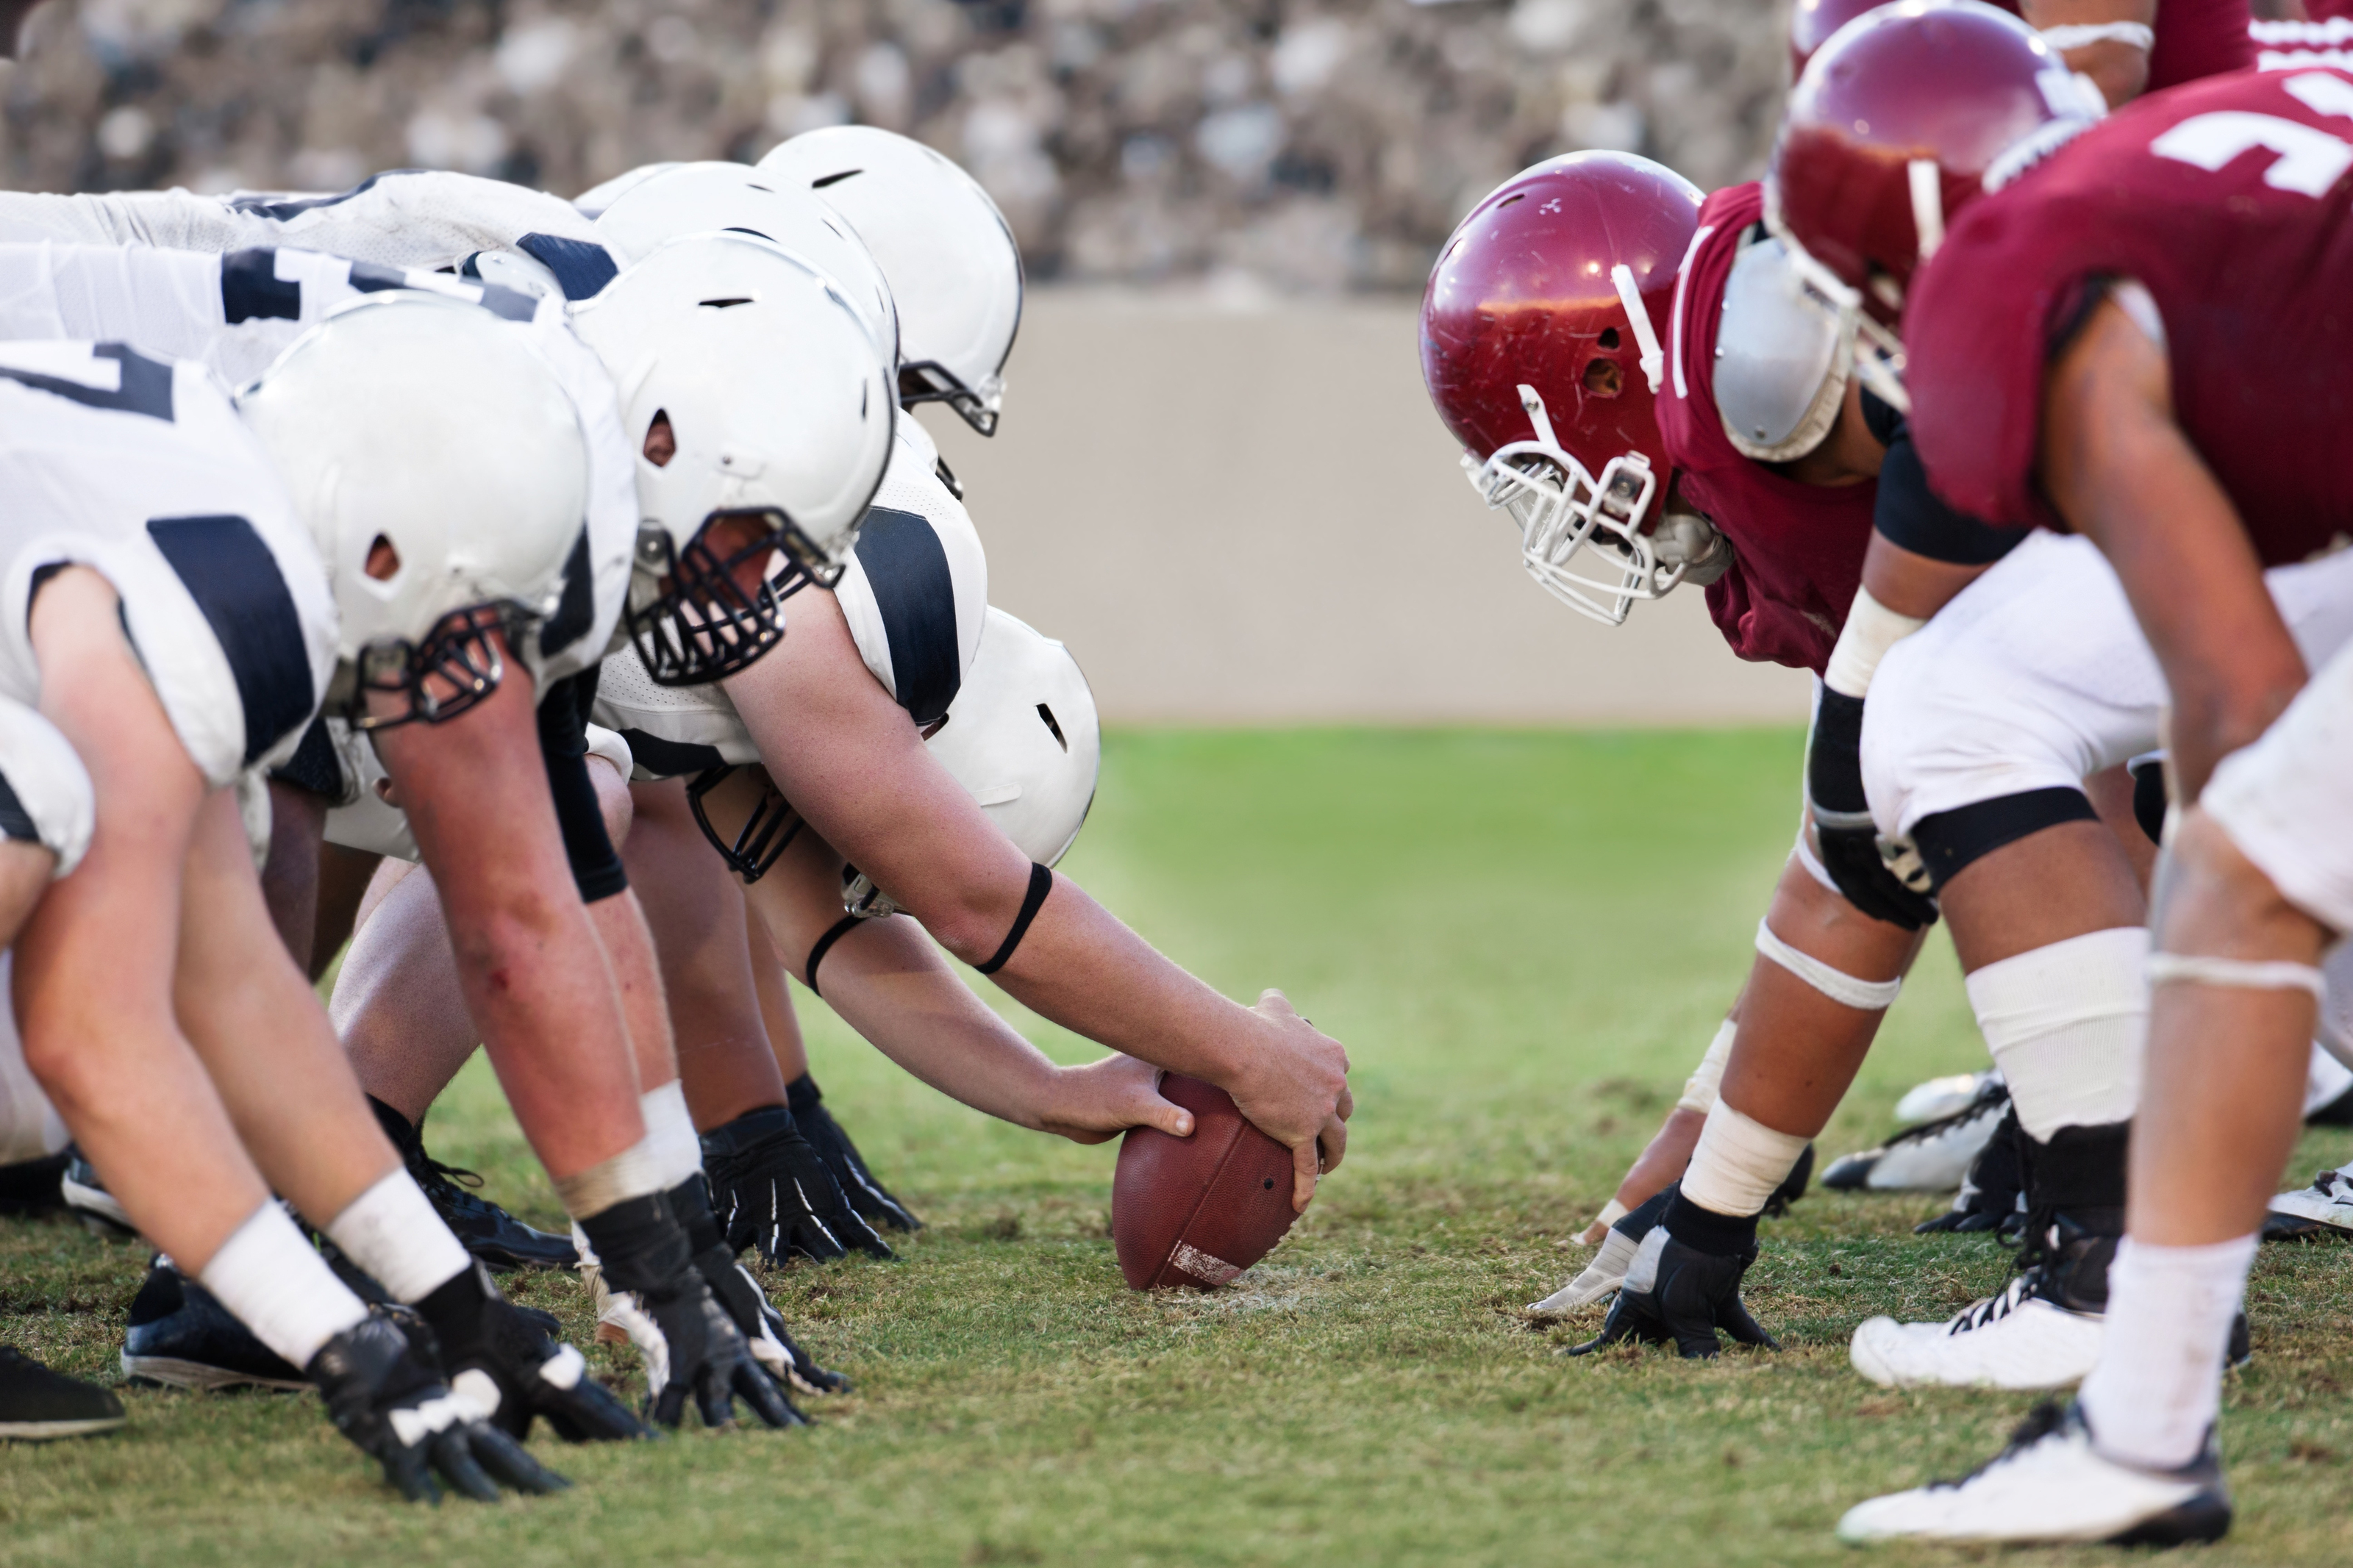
x=1738, y=1162
x=391, y=1231
x=671, y=1137
x=276, y=1284
x=1700, y=1088
x=2325, y=1080
x=2067, y=1025
x=2157, y=1385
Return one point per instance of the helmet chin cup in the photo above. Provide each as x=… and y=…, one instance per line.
x=861, y=897
x=1872, y=349
x=1561, y=508
x=929, y=381
x=689, y=615
x=766, y=835
x=451, y=671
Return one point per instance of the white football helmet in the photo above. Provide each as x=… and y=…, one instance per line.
x=591, y=202
x=698, y=198
x=1023, y=737
x=442, y=472
x=949, y=255
x=780, y=416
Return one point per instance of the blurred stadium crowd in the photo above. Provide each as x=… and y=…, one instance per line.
x=1320, y=145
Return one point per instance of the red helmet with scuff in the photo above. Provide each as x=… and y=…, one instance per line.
x=1540, y=345
x=1811, y=23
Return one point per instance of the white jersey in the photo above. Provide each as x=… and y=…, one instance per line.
x=237, y=313
x=405, y=218
x=140, y=467
x=915, y=595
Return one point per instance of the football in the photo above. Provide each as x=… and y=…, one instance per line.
x=1197, y=1211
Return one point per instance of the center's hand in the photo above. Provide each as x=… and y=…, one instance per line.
x=1294, y=1086
x=1091, y=1103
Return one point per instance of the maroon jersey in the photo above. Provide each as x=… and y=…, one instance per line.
x=2232, y=202
x=2194, y=39
x=1796, y=549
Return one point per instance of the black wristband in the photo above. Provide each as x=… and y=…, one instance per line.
x=639, y=1244
x=1705, y=1230
x=1041, y=882
x=824, y=944
x=691, y=1201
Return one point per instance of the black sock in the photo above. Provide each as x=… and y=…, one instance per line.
x=1705, y=1230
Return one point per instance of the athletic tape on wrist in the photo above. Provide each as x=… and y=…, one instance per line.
x=1870, y=629
x=2241, y=973
x=1612, y=1213
x=631, y=1174
x=2077, y=35
x=670, y=1138
x=1863, y=995
x=824, y=944
x=392, y=1231
x=1700, y=1088
x=1041, y=882
x=273, y=1282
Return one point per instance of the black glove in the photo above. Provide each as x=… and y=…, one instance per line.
x=1842, y=820
x=687, y=1340
x=866, y=1194
x=746, y=1305
x=771, y=1190
x=383, y=1397
x=1689, y=1294
x=1989, y=1196
x=503, y=1360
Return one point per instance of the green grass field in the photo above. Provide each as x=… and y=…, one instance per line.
x=1526, y=941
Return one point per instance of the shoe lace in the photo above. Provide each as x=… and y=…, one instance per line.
x=2022, y=1288
x=434, y=1171
x=2334, y=1185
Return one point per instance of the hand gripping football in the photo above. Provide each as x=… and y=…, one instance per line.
x=1197, y=1211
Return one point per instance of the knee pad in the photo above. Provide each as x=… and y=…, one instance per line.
x=44, y=794
x=2067, y=1025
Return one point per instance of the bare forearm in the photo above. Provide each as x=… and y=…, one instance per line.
x=629, y=947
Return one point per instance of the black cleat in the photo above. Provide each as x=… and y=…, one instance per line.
x=182, y=1337
x=37, y=1404
x=866, y=1196
x=34, y=1186
x=88, y=1200
x=486, y=1230
x=1993, y=1192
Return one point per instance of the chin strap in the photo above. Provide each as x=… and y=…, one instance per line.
x=1654, y=359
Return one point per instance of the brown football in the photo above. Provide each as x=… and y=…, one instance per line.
x=1197, y=1211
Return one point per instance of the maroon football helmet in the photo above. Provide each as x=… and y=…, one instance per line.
x=1901, y=118
x=1811, y=23
x=1540, y=345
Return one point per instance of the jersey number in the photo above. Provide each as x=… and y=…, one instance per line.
x=2309, y=159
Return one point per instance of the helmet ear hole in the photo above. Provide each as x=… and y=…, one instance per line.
x=1603, y=379
x=1048, y=715
x=661, y=441
x=1609, y=337
x=383, y=559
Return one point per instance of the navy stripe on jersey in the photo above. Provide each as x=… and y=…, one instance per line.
x=252, y=290
x=671, y=759
x=263, y=206
x=14, y=820
x=314, y=765
x=581, y=266
x=575, y=612
x=146, y=386
x=908, y=572
x=234, y=581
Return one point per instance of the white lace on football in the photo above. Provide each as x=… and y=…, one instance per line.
x=1561, y=508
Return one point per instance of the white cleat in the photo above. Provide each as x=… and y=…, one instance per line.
x=2322, y=1210
x=2049, y=1484
x=2017, y=1341
x=1941, y=1097
x=1601, y=1277
x=1932, y=1157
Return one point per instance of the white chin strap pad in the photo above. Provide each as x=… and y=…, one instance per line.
x=1863, y=995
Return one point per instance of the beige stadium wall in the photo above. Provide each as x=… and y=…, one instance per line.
x=1238, y=515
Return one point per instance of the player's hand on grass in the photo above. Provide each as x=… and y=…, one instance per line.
x=771, y=1190
x=502, y=1362
x=383, y=1395
x=1294, y=1086
x=1101, y=1099
x=1843, y=829
x=1675, y=1294
x=740, y=1297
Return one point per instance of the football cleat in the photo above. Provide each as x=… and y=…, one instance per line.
x=37, y=1404
x=485, y=1229
x=88, y=1200
x=1993, y=1190
x=34, y=1186
x=867, y=1196
x=2321, y=1212
x=1933, y=1157
x=182, y=1337
x=1941, y=1097
x=1678, y=1295
x=2051, y=1484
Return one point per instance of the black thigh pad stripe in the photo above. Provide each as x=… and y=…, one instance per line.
x=582, y=267
x=252, y=290
x=1949, y=840
x=907, y=569
x=2150, y=800
x=15, y=821
x=234, y=581
x=313, y=766
x=146, y=386
x=671, y=759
